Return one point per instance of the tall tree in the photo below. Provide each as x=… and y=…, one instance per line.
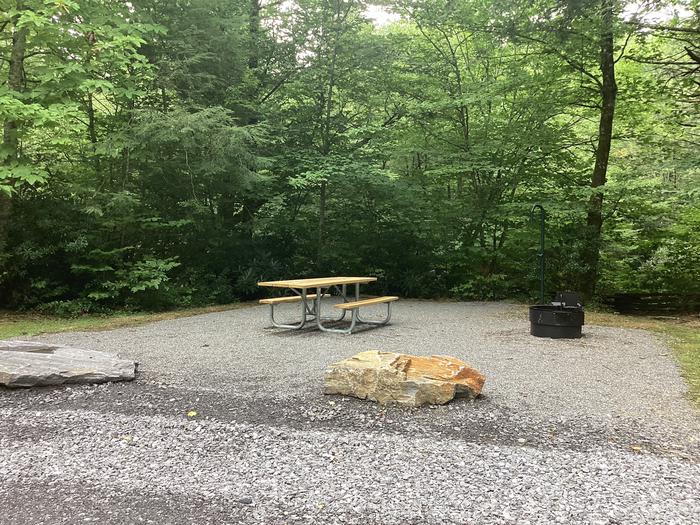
x=9, y=153
x=326, y=103
x=484, y=108
x=587, y=37
x=608, y=96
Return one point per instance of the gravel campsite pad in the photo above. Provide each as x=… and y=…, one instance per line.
x=226, y=423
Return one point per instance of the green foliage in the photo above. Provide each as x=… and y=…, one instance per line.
x=488, y=288
x=166, y=153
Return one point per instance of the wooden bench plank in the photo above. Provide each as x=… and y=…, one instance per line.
x=292, y=299
x=366, y=302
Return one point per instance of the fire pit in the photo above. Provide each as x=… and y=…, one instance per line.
x=556, y=321
x=563, y=318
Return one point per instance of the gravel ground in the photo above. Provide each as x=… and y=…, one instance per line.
x=595, y=430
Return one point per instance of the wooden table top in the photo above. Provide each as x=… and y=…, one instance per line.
x=317, y=281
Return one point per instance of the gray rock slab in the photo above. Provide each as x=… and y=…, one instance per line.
x=28, y=363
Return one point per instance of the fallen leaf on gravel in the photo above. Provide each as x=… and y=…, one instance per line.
x=192, y=413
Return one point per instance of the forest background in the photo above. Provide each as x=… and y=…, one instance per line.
x=164, y=153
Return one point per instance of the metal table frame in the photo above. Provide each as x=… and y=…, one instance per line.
x=355, y=315
x=311, y=309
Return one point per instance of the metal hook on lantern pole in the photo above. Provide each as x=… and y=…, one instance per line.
x=540, y=255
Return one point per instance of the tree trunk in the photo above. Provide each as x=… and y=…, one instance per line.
x=254, y=33
x=321, y=225
x=92, y=132
x=10, y=138
x=326, y=138
x=252, y=116
x=608, y=92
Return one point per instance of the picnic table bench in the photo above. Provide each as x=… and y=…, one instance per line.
x=311, y=302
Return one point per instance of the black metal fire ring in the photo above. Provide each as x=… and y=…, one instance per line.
x=556, y=322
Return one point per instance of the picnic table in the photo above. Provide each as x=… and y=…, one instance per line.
x=311, y=304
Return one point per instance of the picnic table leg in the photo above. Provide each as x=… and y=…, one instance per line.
x=382, y=322
x=343, y=292
x=298, y=326
x=353, y=319
x=310, y=310
x=364, y=321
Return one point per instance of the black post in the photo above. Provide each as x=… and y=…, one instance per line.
x=540, y=255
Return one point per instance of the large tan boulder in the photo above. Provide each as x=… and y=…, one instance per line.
x=391, y=378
